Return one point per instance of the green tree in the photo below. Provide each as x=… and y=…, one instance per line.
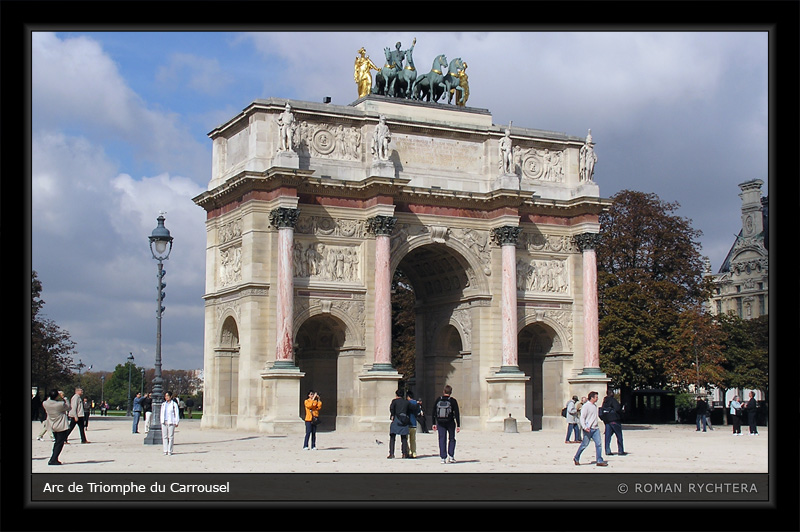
x=403, y=326
x=52, y=348
x=698, y=354
x=649, y=273
x=747, y=350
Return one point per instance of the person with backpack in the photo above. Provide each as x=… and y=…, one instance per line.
x=572, y=421
x=401, y=423
x=447, y=422
x=611, y=416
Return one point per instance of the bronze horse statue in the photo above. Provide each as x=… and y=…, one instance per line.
x=406, y=77
x=386, y=78
x=451, y=83
x=424, y=85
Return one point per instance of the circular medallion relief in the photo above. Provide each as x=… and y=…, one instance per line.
x=748, y=224
x=532, y=167
x=324, y=141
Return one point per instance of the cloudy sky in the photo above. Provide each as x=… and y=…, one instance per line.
x=120, y=121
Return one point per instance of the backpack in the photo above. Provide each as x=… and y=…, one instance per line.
x=444, y=410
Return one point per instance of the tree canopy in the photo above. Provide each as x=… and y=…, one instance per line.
x=649, y=275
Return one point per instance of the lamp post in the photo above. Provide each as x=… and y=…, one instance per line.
x=142, y=382
x=102, y=389
x=130, y=360
x=160, y=247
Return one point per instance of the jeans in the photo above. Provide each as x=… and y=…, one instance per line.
x=702, y=417
x=573, y=427
x=311, y=430
x=136, y=415
x=614, y=428
x=403, y=444
x=447, y=429
x=593, y=434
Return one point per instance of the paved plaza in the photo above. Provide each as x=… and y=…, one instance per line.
x=650, y=448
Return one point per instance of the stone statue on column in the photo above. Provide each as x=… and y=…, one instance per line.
x=380, y=141
x=588, y=158
x=286, y=127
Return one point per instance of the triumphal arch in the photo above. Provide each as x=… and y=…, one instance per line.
x=311, y=209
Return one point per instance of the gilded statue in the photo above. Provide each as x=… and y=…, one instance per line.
x=463, y=82
x=362, y=74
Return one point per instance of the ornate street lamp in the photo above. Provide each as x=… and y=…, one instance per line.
x=142, y=382
x=102, y=389
x=129, y=362
x=160, y=247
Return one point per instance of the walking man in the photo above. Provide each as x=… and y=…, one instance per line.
x=447, y=421
x=572, y=421
x=56, y=408
x=76, y=414
x=613, y=421
x=591, y=431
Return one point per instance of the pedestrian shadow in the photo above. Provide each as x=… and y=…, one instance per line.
x=222, y=441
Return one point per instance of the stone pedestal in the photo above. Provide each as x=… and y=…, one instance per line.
x=281, y=400
x=378, y=387
x=589, y=382
x=508, y=181
x=381, y=169
x=507, y=396
x=286, y=159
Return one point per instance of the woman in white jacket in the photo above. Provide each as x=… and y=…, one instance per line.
x=169, y=420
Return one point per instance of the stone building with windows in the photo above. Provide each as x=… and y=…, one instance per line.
x=313, y=206
x=742, y=283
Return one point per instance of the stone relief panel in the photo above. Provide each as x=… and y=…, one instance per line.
x=543, y=276
x=559, y=318
x=547, y=243
x=354, y=308
x=329, y=141
x=476, y=241
x=230, y=265
x=541, y=164
x=229, y=231
x=327, y=226
x=326, y=262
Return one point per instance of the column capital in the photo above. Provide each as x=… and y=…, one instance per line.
x=284, y=217
x=381, y=225
x=586, y=241
x=506, y=235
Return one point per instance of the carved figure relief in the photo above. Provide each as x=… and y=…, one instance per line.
x=229, y=231
x=329, y=141
x=326, y=226
x=547, y=243
x=325, y=262
x=230, y=265
x=543, y=165
x=548, y=276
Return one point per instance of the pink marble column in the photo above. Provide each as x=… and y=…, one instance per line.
x=285, y=219
x=507, y=237
x=382, y=227
x=591, y=336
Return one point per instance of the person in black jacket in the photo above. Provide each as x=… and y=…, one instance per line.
x=702, y=413
x=446, y=425
x=751, y=408
x=613, y=422
x=401, y=424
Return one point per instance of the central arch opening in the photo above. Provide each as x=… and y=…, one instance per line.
x=430, y=322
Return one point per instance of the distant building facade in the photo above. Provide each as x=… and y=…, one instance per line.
x=742, y=283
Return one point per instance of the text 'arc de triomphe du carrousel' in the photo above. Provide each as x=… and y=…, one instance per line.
x=313, y=207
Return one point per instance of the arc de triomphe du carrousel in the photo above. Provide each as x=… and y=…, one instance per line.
x=312, y=207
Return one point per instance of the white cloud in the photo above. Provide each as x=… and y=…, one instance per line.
x=200, y=74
